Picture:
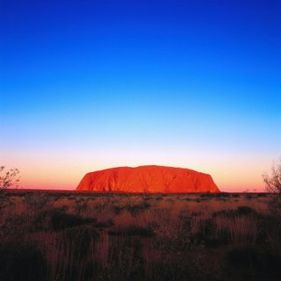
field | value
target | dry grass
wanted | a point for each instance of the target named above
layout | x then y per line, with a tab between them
135	237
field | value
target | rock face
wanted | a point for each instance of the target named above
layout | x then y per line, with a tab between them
151	179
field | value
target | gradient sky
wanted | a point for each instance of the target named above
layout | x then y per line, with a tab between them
93	84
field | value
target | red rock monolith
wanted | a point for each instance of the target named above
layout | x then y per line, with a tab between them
150	179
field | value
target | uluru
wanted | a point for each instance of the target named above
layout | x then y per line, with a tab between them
148	179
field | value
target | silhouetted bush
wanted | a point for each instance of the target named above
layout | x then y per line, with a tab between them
8	178
240	211
135	209
58	219
133	230
273	180
61	220
223	195
104	224
132	209
245	210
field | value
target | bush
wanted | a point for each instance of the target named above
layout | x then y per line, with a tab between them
136	209
8	178
239	211
61	220
133	230
273	180
132	209
273	185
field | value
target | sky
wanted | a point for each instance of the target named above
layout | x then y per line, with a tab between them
93	84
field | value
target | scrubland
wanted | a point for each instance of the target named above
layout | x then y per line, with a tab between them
68	236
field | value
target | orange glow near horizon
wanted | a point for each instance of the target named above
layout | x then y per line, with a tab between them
47	171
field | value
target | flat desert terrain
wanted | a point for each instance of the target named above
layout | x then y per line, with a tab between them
82	236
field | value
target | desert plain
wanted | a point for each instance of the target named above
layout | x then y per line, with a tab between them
83	236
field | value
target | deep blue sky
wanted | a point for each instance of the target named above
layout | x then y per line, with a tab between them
101	83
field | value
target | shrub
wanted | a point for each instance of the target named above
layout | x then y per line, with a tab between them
239	211
8	178
133	230
135	209
63	220
273	180
132	209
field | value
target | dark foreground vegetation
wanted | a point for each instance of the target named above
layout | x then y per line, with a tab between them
66	236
